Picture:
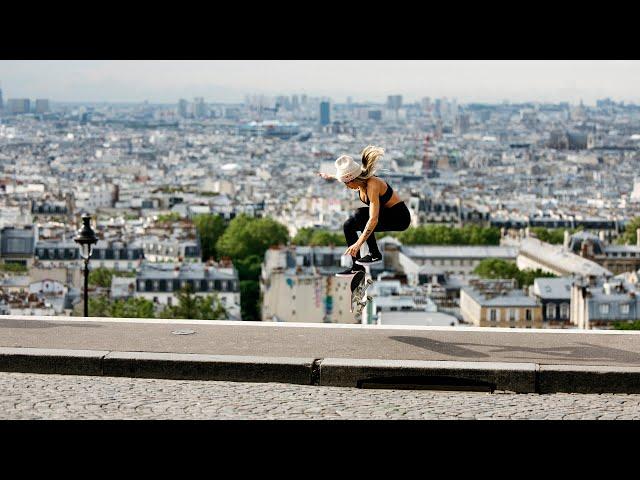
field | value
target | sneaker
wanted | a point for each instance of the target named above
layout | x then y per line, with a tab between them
349	272
369	260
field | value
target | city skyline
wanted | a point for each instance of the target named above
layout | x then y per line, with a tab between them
229	81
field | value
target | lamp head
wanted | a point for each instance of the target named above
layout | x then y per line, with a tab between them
85	236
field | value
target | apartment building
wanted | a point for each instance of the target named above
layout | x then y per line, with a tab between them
498	303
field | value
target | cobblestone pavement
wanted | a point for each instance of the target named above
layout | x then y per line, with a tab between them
34	396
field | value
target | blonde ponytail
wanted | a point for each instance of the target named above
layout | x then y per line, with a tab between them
370	156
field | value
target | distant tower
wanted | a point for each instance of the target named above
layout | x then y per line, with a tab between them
199	108
182	108
42	105
426	161
325	118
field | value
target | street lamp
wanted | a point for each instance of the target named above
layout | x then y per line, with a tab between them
86	237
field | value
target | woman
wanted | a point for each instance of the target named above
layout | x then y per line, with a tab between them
386	212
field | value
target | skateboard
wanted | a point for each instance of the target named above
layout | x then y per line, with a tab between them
359	298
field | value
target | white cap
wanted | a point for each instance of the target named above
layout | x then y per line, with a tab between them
347	168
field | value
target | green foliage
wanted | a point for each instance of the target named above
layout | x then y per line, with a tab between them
445	235
553	235
629	235
250	300
498	268
103	306
549	235
169	217
13	267
247	236
245	241
318	237
195	307
249	268
303	236
100	277
210	228
635	325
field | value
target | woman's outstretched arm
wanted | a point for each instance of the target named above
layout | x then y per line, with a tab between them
326	176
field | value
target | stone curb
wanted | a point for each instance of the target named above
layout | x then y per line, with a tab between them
482	376
337	372
180	366
588	379
51	361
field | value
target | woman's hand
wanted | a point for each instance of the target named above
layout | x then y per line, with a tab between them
353	249
325	176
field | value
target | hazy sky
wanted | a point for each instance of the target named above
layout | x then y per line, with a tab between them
229	80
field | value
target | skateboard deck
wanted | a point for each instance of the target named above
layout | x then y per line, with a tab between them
359	297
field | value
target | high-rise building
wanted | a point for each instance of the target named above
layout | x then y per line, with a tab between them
1	101
394	102
182	108
18	105
294	102
462	124
199	108
325	117
42	105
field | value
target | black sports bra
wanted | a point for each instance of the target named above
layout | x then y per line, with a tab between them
383	198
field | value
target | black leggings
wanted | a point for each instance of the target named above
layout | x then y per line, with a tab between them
394	219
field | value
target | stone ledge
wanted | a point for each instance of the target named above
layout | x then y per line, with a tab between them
51	361
588	379
516	377
180	366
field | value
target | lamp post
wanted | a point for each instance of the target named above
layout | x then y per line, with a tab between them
86	237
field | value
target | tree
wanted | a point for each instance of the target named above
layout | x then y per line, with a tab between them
629	235
245	241
445	235
251	236
210	228
318	237
250	300
249	268
635	325
195	307
498	268
101	277
169	217
103	306
303	236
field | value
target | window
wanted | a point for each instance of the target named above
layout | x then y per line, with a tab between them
624	309
604	308
564	311
527	314
512	315
492	315
155	285
551	310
